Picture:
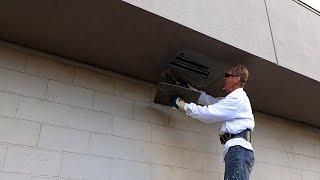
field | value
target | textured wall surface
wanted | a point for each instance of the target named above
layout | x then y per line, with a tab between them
280	31
61	121
243	24
296	36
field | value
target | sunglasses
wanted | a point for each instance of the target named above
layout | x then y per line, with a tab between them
226	75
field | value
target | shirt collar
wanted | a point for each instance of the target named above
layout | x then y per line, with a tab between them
236	91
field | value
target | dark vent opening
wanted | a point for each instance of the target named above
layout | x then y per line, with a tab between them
183	63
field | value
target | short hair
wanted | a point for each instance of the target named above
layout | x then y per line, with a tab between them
240	71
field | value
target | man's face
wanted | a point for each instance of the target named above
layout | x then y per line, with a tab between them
230	81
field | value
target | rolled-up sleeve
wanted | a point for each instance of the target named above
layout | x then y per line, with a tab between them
223	110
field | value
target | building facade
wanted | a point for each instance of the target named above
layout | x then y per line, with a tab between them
62	119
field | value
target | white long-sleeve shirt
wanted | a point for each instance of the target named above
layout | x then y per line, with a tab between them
234	110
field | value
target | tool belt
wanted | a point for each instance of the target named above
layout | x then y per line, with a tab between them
246	134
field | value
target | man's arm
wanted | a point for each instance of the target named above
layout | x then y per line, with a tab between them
206	99
222	110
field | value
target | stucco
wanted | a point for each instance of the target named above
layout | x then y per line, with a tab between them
296	36
243	24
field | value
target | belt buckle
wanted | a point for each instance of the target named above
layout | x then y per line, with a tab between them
248	136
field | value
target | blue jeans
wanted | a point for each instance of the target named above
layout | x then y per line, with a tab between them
238	163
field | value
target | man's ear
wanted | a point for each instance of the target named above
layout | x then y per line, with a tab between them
237	80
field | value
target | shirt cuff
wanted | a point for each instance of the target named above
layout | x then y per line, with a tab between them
185	106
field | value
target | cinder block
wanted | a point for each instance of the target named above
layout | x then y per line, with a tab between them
255	170
14	176
22	83
68	94
134	90
179	120
212	163
46	178
43	111
314	164
202	143
94	80
11	58
298	161
177	157
103	145
131	129
180	173
113	104
3	151
35	177
266	139
17	176
8	104
124	170
291	140
159	172
185	158
317	151
169	136
151	113
159	154
32	161
272	156
50	68
59	114
296	146
196	175
91	121
19	131
274	172
263	122
210	129
193	160
117	147
85	167
309	135
309	175
210	176
64	139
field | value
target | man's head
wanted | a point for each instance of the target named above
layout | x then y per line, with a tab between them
236	77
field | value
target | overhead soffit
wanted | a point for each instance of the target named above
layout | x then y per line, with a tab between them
122	38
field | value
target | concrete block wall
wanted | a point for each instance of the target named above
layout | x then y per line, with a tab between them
67	121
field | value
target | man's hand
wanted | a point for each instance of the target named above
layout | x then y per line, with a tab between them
180	103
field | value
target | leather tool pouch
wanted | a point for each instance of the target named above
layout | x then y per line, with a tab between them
246	134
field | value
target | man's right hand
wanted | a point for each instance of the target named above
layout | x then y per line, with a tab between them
180	103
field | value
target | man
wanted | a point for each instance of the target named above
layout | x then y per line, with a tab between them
238	122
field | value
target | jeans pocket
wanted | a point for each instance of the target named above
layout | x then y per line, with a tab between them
233	154
238	164
250	162
233	171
